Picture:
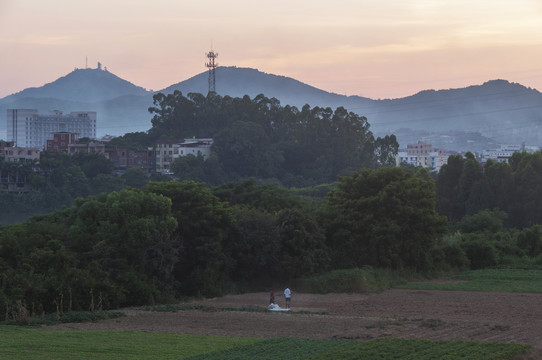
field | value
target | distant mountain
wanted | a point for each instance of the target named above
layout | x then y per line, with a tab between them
474	118
237	82
121	106
83	85
503	111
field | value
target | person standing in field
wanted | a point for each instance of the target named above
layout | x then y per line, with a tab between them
287	297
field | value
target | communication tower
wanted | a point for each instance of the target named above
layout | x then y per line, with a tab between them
211	65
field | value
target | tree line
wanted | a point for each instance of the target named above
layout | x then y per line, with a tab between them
172	239
260	138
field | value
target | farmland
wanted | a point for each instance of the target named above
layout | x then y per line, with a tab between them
20	343
418	322
396	313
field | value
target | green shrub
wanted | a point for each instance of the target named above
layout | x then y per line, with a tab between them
480	251
530	240
455	256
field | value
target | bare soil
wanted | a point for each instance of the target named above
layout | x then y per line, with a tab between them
460	315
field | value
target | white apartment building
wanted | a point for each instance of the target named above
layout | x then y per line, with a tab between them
167	151
424	155
505	152
27	128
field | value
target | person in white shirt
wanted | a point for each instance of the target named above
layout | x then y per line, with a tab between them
287	297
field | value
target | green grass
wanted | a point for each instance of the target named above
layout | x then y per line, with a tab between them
500	280
33	343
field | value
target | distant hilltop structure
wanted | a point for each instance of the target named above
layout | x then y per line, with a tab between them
28	129
98	66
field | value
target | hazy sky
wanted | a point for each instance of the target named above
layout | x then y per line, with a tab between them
372	48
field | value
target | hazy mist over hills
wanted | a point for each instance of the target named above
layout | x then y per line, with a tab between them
474	118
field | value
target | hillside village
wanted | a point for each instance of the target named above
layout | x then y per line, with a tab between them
31	133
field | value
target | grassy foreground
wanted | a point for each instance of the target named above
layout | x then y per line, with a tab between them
39	343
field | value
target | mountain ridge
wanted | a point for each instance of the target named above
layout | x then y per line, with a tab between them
495	111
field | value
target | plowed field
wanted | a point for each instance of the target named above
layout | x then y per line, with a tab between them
484	316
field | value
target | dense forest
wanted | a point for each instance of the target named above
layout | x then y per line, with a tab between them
286	194
260	138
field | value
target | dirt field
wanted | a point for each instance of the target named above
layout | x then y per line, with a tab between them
394	313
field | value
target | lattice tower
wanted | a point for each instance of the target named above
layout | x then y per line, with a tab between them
211	65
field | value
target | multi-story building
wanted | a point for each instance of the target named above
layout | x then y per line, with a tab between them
90	147
422	154
27	128
123	159
12	178
169	150
505	152
5	145
61	141
19	154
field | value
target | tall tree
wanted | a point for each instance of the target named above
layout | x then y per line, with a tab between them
384	218
386	149
205	224
448	202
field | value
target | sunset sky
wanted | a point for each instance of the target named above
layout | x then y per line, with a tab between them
372	48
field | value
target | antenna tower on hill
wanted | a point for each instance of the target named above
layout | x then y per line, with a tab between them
211	65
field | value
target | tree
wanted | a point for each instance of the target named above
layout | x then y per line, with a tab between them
473	192
119	245
268	197
205	224
500	182
93	164
259	138
126	240
103	183
485	221
530	240
384	218
255	245
527	169
448	202
303	248
135	177
173	117
386	149
242	150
